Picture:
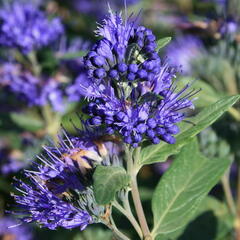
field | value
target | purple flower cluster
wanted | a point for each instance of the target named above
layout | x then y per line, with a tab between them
36	91
132	92
9	229
184	51
60	193
47	209
25	27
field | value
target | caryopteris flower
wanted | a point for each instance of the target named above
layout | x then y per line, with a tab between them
183	51
133	93
35	91
60	192
24	26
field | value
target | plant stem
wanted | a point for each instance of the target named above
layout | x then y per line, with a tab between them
228	193
35	65
116	231
237	222
133	168
235	113
139	208
130	217
52	122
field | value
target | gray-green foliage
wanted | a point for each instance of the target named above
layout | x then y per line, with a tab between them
107	180
212	218
182	189
27	120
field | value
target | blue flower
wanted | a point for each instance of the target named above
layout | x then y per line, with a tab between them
35	91
132	93
184	51
60	192
24	26
39	204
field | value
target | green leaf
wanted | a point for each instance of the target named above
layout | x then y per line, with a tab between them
107	180
27	120
160	152
163	42
213	221
182	189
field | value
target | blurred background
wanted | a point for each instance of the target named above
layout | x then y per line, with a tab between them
41	47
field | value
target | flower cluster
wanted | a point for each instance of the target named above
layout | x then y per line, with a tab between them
60	191
41	89
36	91
184	51
25	27
131	91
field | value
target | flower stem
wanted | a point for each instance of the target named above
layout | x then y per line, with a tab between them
139	208
228	193
35	65
119	234
237	221
52	121
133	169
130	217
235	113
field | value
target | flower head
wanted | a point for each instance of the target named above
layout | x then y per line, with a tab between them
40	205
24	26
36	91
60	192
184	51
131	91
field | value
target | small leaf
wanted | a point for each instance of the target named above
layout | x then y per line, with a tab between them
182	189
108	180
27	120
163	42
160	152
